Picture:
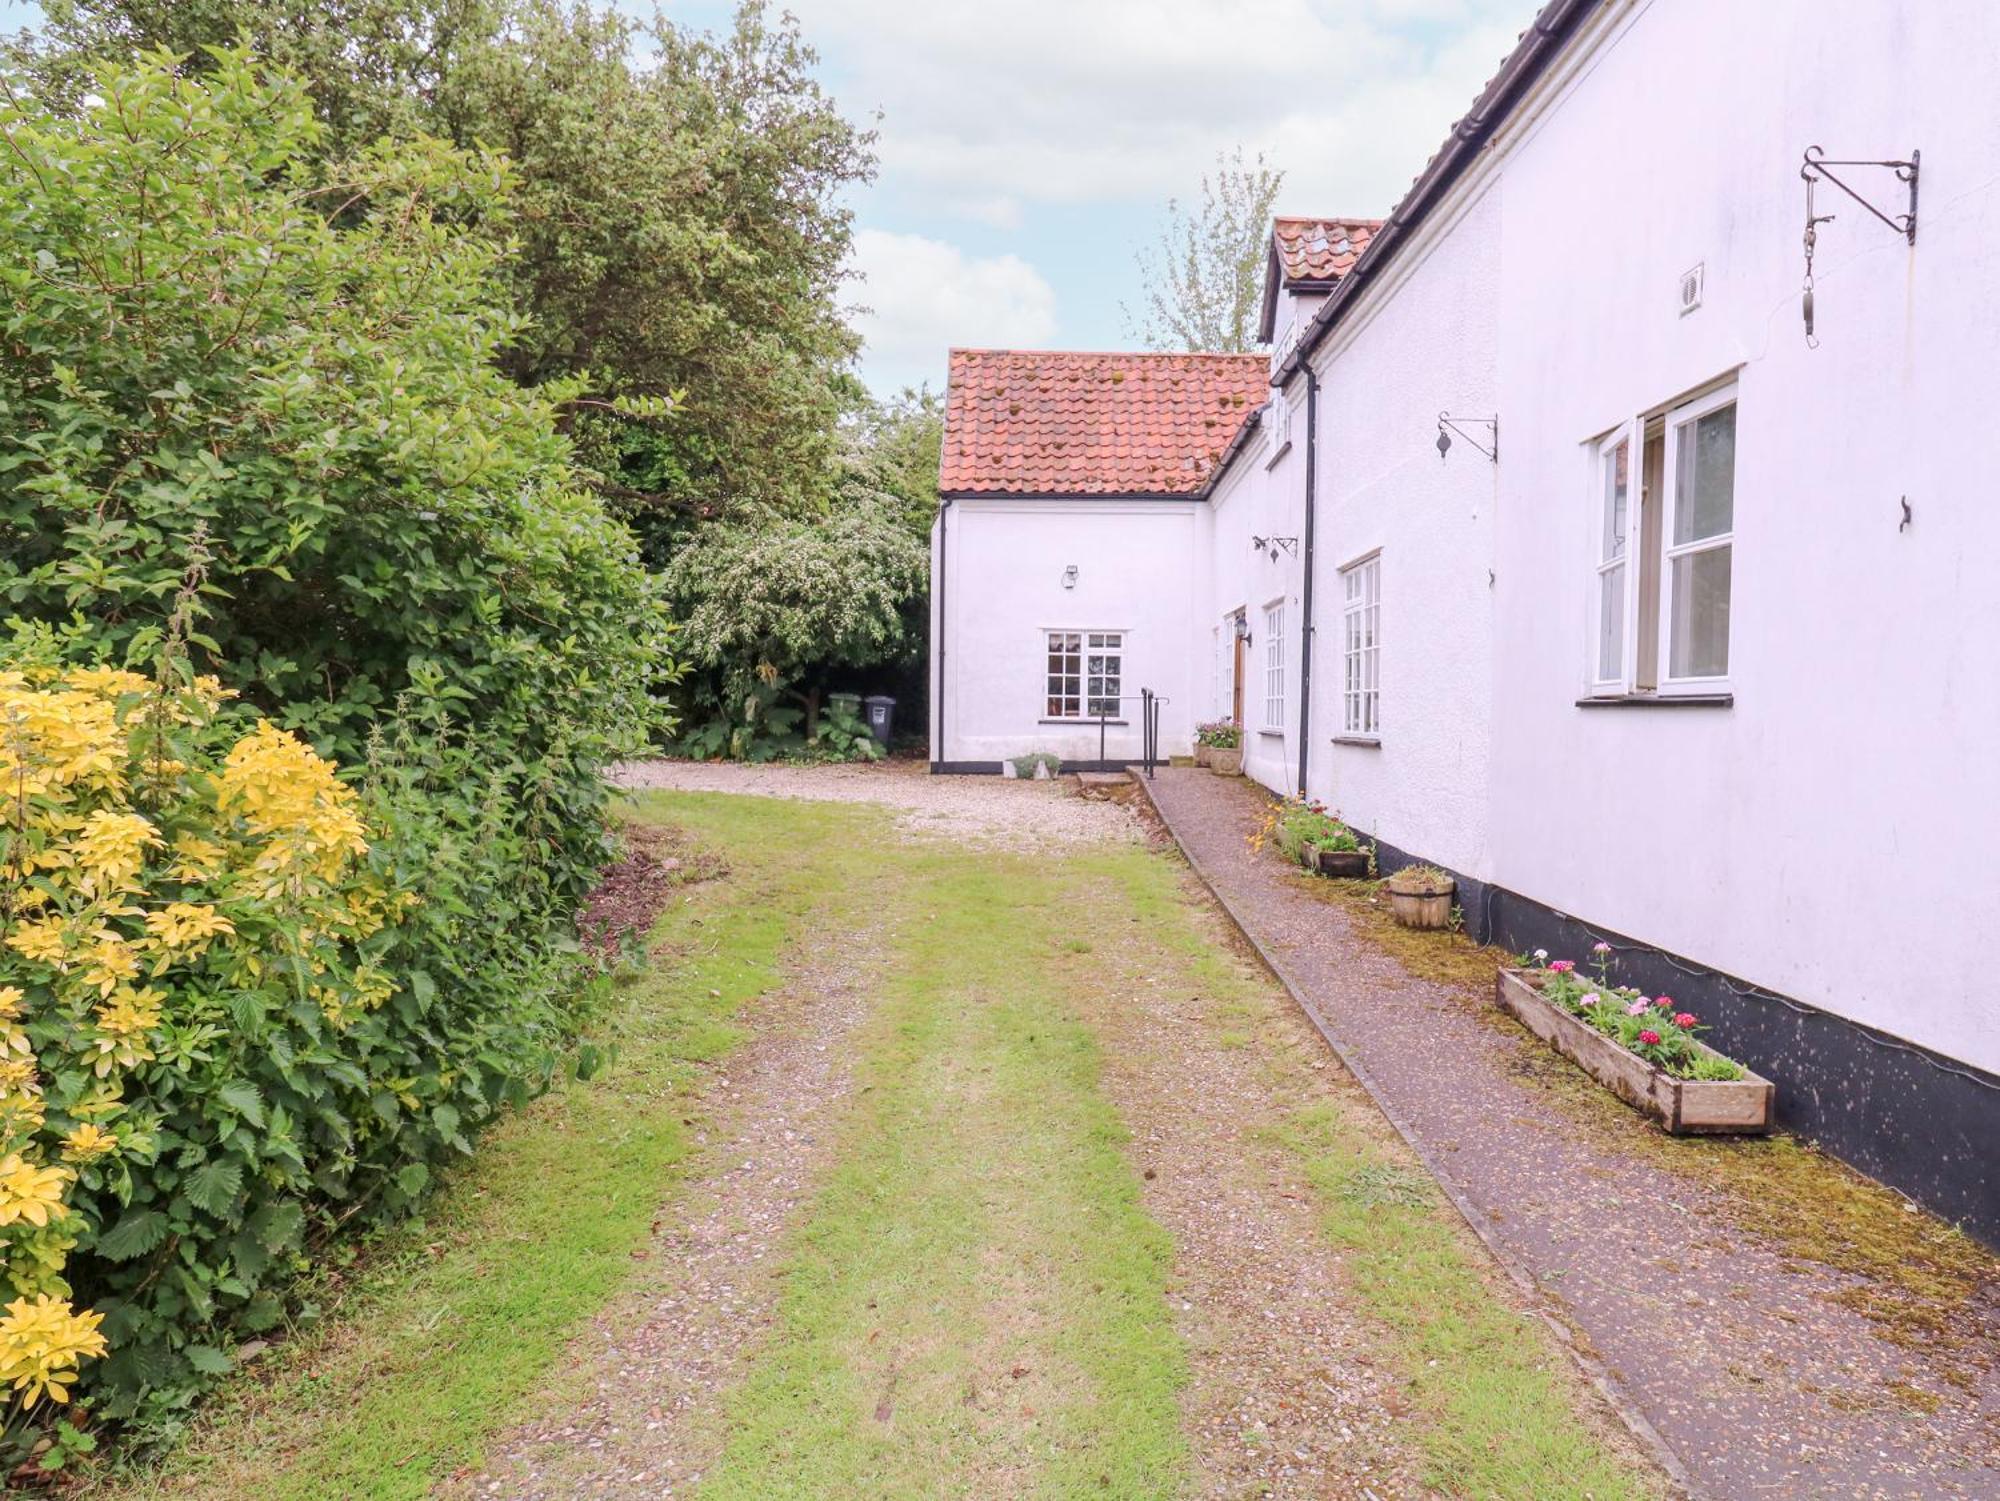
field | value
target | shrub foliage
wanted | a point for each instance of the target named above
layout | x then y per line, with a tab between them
255	431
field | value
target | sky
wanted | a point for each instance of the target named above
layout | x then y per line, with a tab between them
1029	147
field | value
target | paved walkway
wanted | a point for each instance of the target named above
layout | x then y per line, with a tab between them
1752	1366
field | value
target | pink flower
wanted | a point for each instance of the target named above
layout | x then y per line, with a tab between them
1639	1007
1600	948
1587	1000
1664	1002
1561	967
1684	1018
1650	1038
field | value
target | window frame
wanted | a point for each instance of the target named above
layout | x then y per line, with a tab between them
1631	437
1082	677
1361	652
1685	415
1672	417
1277	423
1274	667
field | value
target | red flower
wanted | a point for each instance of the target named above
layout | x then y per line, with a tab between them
1650	1038
1562	967
1684	1018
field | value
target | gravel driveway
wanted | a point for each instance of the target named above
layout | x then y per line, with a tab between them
991	810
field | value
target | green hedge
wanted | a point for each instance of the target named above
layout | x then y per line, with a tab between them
267	389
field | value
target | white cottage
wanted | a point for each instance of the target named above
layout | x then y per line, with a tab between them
1684	638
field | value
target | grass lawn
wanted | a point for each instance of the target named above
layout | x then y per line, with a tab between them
976	1302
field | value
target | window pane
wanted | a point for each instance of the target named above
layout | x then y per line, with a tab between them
1701	614
1705	476
1617	490
1611	624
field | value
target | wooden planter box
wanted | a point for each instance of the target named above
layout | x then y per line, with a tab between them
1686	1107
1344	863
1421	909
1228	762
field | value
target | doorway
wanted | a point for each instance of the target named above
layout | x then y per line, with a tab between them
1239	639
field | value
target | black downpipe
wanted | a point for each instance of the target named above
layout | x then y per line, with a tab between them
937	647
1306	595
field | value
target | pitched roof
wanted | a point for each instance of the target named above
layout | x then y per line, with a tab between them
1320	249
1036	422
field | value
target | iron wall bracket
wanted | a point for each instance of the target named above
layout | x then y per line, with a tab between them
1814	169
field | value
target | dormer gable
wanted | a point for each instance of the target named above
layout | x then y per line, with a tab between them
1307	259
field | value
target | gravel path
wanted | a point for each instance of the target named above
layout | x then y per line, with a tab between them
1286	1397
637	1409
993	811
1752	1365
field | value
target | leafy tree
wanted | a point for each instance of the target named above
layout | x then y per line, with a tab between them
771	608
371	67
197	347
1204	279
677	209
894	446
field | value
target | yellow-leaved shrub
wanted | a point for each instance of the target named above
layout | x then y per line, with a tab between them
149	880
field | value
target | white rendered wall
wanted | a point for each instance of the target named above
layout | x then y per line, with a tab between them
1257	498
1384	489
1833	835
1005	559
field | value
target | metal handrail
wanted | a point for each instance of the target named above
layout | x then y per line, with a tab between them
1149	723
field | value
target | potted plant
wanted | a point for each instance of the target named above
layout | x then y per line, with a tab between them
1225	747
1318	840
1039	766
1420	896
1344	856
1217	732
1644	1049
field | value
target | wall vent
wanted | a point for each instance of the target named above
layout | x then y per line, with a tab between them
1691	289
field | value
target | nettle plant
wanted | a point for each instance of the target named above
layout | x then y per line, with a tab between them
168	886
1654	1028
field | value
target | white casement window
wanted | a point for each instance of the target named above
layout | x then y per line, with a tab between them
1274	666
1086	671
1361	649
1614	466
1277	423
1663	492
1700	527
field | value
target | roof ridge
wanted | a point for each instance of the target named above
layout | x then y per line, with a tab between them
1117	354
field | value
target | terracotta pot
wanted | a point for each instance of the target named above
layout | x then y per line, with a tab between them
1421	910
1228	762
1346	864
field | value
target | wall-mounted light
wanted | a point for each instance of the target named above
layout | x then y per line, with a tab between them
1272	545
1069	577
1459	424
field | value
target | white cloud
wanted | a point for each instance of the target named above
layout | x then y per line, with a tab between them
924	295
1079	101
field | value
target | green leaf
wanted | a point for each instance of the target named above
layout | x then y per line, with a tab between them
214	1186
208	1360
412	1179
244	1098
133	1236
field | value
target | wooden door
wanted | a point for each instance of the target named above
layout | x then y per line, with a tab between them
1236	682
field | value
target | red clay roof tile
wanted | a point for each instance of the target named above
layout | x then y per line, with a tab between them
1036	422
1320	249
